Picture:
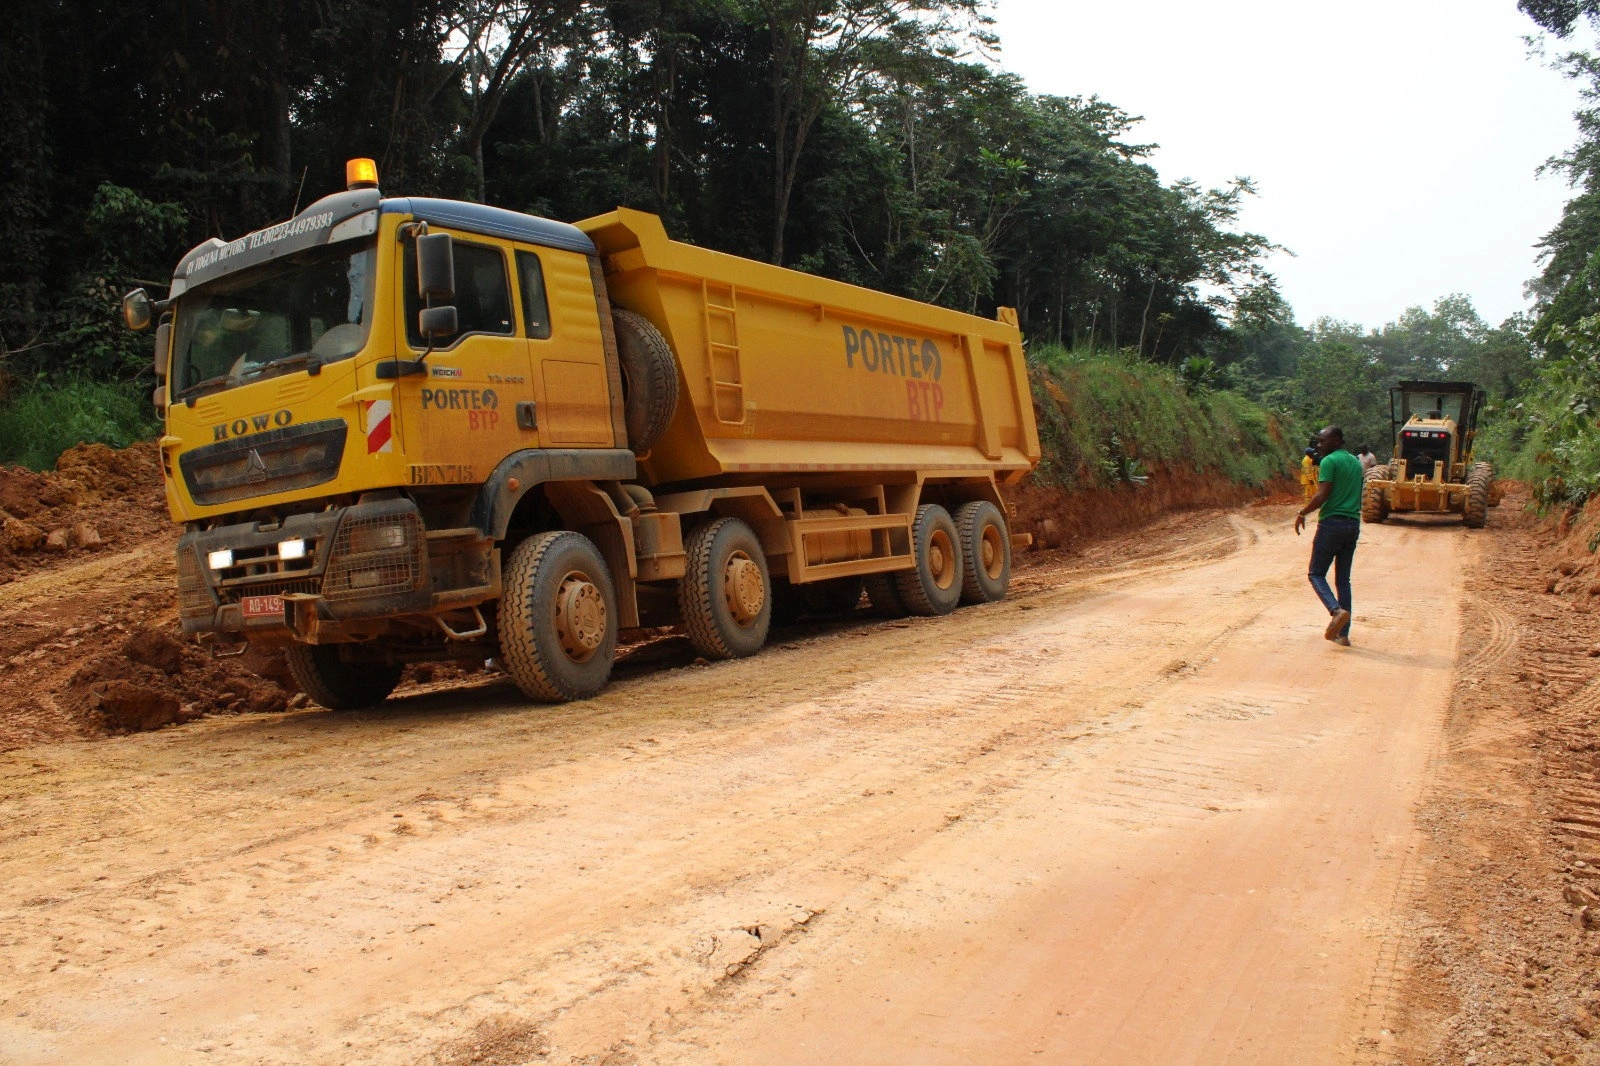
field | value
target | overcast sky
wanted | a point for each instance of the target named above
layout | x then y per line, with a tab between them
1393	142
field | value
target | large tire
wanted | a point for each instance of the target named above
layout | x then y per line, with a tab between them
884	597
933	586
558	618
337	684
649	379
836	595
985	552
1479	480
725	593
1374	503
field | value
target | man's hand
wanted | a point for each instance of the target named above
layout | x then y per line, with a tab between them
1299	523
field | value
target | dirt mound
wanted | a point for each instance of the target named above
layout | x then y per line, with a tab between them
151	679
89	629
97	498
104	473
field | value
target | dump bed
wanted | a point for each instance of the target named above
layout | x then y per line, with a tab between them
787	372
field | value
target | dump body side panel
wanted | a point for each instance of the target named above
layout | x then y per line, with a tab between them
785	372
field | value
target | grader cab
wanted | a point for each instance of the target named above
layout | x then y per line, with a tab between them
1432	471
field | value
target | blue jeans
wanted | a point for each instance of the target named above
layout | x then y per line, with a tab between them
1335	545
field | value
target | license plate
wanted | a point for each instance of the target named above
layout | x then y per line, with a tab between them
261	606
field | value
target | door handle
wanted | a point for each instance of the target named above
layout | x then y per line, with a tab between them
527	415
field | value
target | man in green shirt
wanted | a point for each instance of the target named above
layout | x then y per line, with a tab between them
1338	506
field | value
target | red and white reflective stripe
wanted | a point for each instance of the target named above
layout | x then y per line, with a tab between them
380	426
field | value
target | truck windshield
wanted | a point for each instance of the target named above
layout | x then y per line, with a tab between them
311	308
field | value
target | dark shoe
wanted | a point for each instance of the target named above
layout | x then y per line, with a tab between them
1336	624
1343	642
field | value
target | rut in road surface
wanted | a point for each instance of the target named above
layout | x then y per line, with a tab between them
1139	813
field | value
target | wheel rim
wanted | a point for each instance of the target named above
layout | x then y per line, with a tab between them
743	588
994	552
942	559
580	617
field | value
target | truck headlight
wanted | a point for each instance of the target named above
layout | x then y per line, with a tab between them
378	537
220	559
292	549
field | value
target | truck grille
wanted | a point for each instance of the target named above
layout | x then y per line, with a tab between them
279	460
271	587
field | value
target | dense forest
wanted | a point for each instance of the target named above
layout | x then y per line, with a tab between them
877	141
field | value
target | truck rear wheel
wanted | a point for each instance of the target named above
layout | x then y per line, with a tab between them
933	586
337	684
884	597
558	618
1479	480
985	550
725	593
649	379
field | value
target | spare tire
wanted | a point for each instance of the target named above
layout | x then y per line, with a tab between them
649	379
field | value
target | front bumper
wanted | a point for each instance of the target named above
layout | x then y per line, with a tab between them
362	567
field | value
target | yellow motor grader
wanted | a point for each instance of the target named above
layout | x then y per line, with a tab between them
1432	471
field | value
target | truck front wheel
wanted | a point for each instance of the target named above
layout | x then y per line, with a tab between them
726	593
558	618
337	684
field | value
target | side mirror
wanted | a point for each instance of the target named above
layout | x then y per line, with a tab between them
137	310
437	322
163	347
436	267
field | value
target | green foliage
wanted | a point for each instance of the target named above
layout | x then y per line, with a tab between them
1199	374
46	419
1339	373
1103	419
1550	435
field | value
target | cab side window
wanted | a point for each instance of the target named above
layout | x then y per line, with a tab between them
535	305
483	293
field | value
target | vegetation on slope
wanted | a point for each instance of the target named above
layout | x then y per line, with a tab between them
1104	419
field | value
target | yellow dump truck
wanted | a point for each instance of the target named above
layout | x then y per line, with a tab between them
400	429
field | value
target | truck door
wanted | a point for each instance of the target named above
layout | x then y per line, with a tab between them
460	417
563	325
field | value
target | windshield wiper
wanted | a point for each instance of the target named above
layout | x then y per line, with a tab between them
192	393
313	364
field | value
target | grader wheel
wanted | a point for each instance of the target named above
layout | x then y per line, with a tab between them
1374	503
1479	482
1374	497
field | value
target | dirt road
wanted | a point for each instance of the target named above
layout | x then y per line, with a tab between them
1141	812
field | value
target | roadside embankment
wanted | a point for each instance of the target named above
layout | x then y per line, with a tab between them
1125	440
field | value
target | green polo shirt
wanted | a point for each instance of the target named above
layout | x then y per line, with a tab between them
1344	470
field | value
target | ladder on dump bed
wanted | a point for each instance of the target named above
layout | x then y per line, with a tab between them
718	304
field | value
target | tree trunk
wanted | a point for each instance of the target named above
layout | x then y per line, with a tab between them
1144	319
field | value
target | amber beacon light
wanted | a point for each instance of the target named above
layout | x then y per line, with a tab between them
360	174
